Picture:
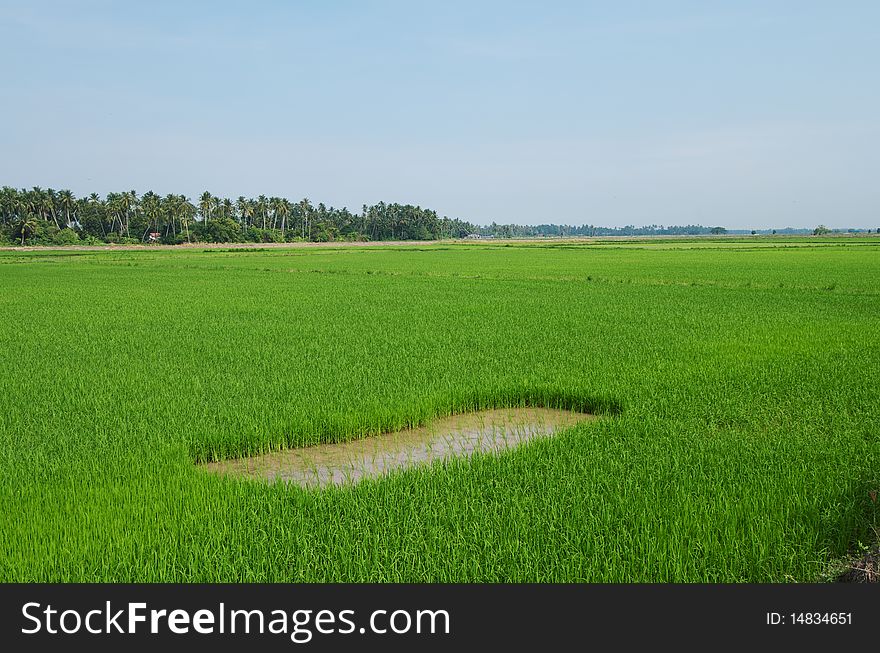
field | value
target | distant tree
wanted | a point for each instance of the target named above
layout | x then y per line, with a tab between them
66	236
219	230
67	203
206	205
227	209
40	215
305	210
187	211
151	205
281	209
245	209
263	208
821	230
26	226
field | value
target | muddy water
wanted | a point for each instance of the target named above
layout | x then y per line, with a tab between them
349	462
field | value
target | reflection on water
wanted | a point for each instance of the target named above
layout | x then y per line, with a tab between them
349	462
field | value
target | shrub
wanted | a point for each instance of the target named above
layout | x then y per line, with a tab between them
66	237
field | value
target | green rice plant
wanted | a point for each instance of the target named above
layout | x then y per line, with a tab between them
738	383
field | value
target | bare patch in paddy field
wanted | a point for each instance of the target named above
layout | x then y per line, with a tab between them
349	462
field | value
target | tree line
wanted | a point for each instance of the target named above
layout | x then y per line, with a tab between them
590	230
39	216
46	216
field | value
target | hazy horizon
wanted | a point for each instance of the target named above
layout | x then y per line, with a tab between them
747	116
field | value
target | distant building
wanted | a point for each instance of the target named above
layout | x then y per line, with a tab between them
154	236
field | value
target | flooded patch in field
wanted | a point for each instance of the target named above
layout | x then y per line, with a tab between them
349	462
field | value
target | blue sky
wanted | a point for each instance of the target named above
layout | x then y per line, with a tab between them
746	114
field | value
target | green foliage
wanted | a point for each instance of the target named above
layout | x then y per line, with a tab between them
740	443
264	219
219	230
173	239
66	237
267	236
126	217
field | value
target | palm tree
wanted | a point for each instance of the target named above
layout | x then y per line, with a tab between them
35	201
50	201
67	203
305	209
114	208
281	208
187	213
132	207
242	208
263	207
122	205
227	208
10	204
99	208
168	206
206	203
150	205
27	225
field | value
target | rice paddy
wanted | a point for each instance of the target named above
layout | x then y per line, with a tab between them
736	384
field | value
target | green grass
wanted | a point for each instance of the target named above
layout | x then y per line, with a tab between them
739	381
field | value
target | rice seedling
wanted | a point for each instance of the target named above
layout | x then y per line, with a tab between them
738	385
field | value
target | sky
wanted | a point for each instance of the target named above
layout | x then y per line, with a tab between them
761	114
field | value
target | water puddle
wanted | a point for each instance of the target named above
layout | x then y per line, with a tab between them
349	462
